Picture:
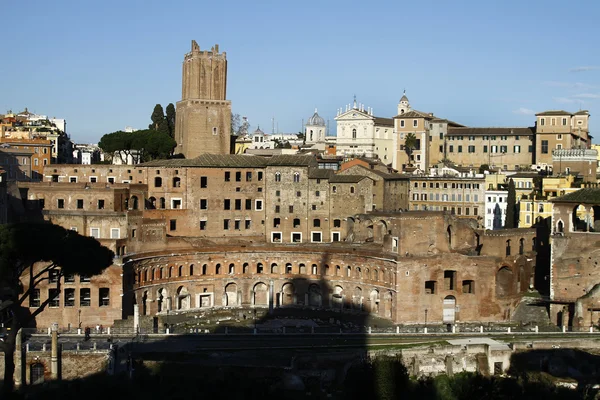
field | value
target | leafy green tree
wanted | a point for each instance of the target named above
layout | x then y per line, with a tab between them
410	143
151	144
511	205
163	127
156	145
171	119
158	115
57	250
121	143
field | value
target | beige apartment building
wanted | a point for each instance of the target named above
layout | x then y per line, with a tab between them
464	197
558	130
499	148
430	132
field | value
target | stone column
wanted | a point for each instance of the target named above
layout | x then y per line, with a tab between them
271	297
54	354
136	317
19	359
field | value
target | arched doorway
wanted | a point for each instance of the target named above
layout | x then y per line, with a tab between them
374	301
36	373
357	299
183	298
161	299
260	294
145	303
449	311
288	295
231	298
338	297
314	295
504	282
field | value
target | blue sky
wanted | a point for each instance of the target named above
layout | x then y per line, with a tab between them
103	65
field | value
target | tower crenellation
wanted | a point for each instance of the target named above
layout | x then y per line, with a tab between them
203	115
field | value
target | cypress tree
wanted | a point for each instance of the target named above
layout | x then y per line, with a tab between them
171	119
157	116
511	205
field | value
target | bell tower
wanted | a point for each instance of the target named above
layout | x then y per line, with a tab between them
203	124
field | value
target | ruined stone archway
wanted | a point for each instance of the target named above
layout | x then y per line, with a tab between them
231	295
183	298
504	282
260	294
314	296
288	294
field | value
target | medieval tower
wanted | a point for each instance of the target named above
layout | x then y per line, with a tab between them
203	115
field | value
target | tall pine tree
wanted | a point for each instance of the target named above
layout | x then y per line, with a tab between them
511	205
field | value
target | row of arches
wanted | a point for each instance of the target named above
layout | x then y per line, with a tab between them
375	274
289	294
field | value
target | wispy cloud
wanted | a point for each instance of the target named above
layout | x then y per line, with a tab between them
584	68
568	85
564	100
587	96
524	111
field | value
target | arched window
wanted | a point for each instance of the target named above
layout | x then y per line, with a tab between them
134	203
508	247
176	182
521	246
354	133
277	176
157	181
37	373
245	268
180	271
218	269
204	269
170	272
191	269
163	203
296	222
231	269
296	177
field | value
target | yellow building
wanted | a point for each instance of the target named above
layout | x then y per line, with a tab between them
559	129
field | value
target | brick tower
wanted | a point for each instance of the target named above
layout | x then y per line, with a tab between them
203	115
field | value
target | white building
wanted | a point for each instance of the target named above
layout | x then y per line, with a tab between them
360	133
86	154
131	157
495	208
261	140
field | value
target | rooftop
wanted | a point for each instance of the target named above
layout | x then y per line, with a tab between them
586	195
490	131
235	161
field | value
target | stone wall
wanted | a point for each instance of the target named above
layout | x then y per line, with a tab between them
73	364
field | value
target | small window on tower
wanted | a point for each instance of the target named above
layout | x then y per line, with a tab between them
215	131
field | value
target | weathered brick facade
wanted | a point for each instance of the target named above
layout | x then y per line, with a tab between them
234	217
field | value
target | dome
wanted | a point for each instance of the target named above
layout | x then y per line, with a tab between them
258	131
404	98
316	120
